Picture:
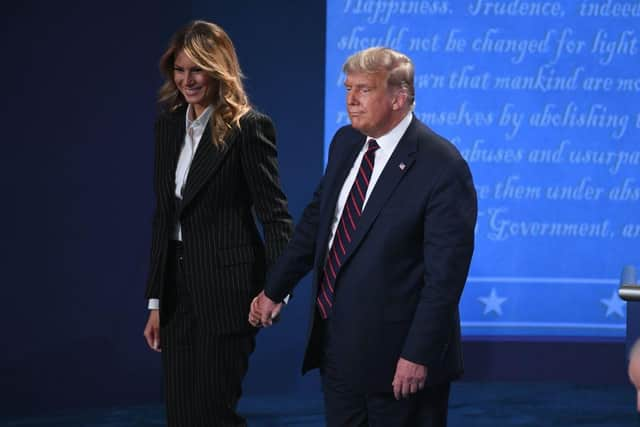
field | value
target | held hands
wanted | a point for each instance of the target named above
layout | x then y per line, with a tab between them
152	330
263	310
408	379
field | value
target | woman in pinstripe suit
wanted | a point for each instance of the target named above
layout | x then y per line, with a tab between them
215	171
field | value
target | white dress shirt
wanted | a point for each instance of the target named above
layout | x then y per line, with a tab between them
387	142
192	136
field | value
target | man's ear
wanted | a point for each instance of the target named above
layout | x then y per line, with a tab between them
400	99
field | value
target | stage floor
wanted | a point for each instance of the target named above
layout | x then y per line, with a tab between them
471	405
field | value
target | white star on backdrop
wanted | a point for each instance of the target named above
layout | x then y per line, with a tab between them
614	304
492	303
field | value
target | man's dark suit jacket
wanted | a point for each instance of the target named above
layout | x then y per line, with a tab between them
398	289
225	257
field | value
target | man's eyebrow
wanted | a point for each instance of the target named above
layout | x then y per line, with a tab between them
359	85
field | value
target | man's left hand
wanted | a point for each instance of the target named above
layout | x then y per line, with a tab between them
408	379
263	310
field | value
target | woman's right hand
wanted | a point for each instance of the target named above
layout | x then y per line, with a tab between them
152	330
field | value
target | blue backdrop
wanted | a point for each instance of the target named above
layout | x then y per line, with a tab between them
80	80
541	99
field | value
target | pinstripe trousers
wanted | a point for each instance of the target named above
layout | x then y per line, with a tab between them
203	372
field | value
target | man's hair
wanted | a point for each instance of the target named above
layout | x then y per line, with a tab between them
398	66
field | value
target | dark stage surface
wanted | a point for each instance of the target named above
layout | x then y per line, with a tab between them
471	405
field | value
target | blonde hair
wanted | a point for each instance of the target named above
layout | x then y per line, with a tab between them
211	49
398	66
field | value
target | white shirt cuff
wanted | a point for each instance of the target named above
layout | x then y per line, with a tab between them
154	303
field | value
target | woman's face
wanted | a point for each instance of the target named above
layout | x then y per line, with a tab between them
194	83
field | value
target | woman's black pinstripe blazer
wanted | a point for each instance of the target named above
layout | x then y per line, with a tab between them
226	258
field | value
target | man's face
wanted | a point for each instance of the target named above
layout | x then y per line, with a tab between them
370	103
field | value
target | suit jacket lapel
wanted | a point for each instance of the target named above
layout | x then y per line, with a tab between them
177	140
331	189
206	162
173	138
398	165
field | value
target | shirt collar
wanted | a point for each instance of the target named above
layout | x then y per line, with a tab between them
391	138
201	121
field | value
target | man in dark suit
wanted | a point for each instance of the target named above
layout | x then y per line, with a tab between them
389	236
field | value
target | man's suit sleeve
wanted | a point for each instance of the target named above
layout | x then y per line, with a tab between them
449	224
298	257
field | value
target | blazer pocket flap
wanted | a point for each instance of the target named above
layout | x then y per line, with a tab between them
236	255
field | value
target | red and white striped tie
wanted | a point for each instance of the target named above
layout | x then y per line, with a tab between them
346	227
